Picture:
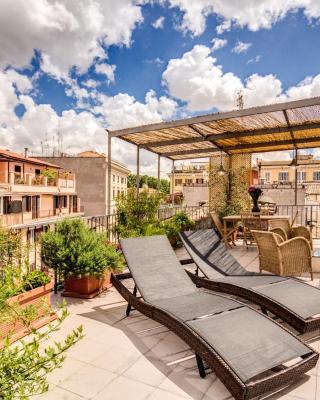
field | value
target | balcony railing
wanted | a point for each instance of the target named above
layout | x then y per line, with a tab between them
63	180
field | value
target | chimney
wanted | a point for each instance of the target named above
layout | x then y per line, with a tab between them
26	152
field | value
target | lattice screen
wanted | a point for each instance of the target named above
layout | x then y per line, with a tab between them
229	193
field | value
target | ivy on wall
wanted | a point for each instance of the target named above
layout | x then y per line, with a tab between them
228	194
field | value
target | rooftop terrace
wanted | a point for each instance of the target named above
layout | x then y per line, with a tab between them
136	358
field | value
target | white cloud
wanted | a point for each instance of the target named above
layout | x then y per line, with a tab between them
252	14
218	43
107	70
123	111
196	79
158	23
241	47
90	83
255	59
67	32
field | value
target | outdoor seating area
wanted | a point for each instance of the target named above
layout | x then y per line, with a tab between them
139	357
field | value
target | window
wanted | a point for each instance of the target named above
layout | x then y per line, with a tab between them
122	180
199	180
113	178
267	176
118	178
316	176
178	182
64	201
37	172
301	176
188	181
17	169
6	204
283	176
113	194
26	204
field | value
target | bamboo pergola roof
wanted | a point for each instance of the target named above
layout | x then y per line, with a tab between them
282	126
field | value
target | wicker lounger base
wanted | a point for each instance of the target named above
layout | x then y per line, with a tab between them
298	323
239	389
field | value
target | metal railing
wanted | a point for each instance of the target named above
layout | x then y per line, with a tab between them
307	215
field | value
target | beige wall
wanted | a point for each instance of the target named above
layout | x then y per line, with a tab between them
275	170
188	175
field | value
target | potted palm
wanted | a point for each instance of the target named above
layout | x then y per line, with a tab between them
84	257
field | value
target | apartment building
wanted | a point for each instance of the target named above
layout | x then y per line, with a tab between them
32	189
91	169
283	172
194	174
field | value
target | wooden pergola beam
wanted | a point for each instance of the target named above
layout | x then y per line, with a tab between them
232	135
219	116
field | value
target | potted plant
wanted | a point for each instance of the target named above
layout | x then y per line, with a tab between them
255	193
30	294
84	257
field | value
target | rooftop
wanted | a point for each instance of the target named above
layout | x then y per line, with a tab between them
11	156
136	358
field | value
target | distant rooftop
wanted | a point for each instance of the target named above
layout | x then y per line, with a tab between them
11	156
302	159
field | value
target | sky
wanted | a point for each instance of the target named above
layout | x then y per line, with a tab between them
72	68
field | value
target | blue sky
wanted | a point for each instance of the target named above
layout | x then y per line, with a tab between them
79	66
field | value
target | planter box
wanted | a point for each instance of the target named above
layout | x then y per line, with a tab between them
86	287
39	297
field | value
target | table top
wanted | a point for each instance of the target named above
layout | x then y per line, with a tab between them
263	217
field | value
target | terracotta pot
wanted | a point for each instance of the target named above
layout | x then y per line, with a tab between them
39	297
87	286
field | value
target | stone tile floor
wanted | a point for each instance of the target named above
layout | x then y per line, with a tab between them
136	358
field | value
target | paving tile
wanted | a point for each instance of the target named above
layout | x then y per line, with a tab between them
159	394
217	390
87	350
116	359
125	388
169	386
69	367
150	371
58	394
88	381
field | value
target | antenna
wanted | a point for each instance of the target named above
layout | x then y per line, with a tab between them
240	99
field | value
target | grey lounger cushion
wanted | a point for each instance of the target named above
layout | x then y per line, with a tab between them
249	342
216	262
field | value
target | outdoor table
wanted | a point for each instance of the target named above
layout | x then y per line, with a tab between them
237	218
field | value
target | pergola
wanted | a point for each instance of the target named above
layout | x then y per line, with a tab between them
282	126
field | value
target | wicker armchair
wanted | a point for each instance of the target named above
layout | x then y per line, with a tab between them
283	228
291	257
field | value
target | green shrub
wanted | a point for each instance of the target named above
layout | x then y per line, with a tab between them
178	223
35	279
77	250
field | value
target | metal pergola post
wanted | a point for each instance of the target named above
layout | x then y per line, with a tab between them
159	173
172	189
138	170
296	178
109	173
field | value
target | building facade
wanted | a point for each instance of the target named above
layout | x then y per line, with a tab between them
194	174
91	169
32	189
281	172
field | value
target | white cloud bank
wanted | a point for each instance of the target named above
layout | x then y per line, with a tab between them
198	80
68	33
253	14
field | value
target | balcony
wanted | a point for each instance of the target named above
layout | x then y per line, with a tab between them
30	183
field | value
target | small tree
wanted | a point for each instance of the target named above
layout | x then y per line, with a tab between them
78	251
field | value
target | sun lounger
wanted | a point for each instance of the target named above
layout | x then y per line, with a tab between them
290	299
250	353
